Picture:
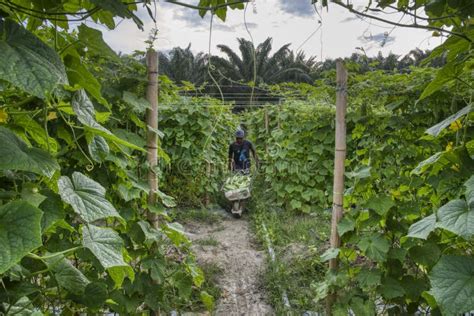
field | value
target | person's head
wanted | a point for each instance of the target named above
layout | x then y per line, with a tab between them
239	136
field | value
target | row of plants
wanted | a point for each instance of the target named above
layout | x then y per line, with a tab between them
75	235
408	187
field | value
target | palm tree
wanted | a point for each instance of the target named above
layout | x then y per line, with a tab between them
182	65
279	67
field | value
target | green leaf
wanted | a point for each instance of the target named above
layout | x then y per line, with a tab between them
20	232
16	155
423	227
167	200
86	197
119	273
27	62
427	254
95	294
183	283
36	132
345	225
67	276
175	232
139	105
380	204
438	128
84	109
23	307
361	307
369	278
329	254
445	75
452	284
106	245
30	194
159	133
92	38
78	74
391	288
98	148
151	234
360	173
375	247
116	7
438	162
207	300
85	112
470	148
53	210
470	192
457	217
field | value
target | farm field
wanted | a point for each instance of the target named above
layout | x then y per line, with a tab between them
121	191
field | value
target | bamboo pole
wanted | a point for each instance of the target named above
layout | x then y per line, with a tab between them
339	158
152	121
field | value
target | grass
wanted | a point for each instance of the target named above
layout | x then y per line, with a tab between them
197	215
212	273
209	241
298	241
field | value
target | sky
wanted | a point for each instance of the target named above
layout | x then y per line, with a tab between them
333	33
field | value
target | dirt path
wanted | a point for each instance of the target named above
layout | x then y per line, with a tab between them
229	244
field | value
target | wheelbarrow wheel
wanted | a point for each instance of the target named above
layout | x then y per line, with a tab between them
236	211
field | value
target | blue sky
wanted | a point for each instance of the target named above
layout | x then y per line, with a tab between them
333	33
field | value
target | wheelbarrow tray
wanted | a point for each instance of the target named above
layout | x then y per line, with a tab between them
237	194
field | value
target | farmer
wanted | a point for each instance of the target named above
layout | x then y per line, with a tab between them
239	153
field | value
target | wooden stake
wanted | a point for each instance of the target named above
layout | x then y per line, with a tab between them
152	121
339	158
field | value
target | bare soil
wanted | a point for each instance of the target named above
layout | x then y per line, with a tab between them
241	262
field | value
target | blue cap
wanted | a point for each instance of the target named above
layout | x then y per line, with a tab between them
239	133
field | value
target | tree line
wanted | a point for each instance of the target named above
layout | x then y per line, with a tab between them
274	66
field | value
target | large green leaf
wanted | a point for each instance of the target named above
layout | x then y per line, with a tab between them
470	192
53	210
106	245
84	109
16	155
437	162
423	227
139	105
391	288
92	38
375	247
27	62
452	284
23	307
20	232
95	294
445	75
457	217
85	112
98	148
78	74
436	129
380	204
86	197
67	276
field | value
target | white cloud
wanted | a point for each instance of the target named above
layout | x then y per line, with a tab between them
284	20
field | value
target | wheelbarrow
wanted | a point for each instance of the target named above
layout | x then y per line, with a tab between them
238	198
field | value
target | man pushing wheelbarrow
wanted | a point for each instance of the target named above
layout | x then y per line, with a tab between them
237	187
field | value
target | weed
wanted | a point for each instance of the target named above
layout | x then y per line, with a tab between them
209	241
197	215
